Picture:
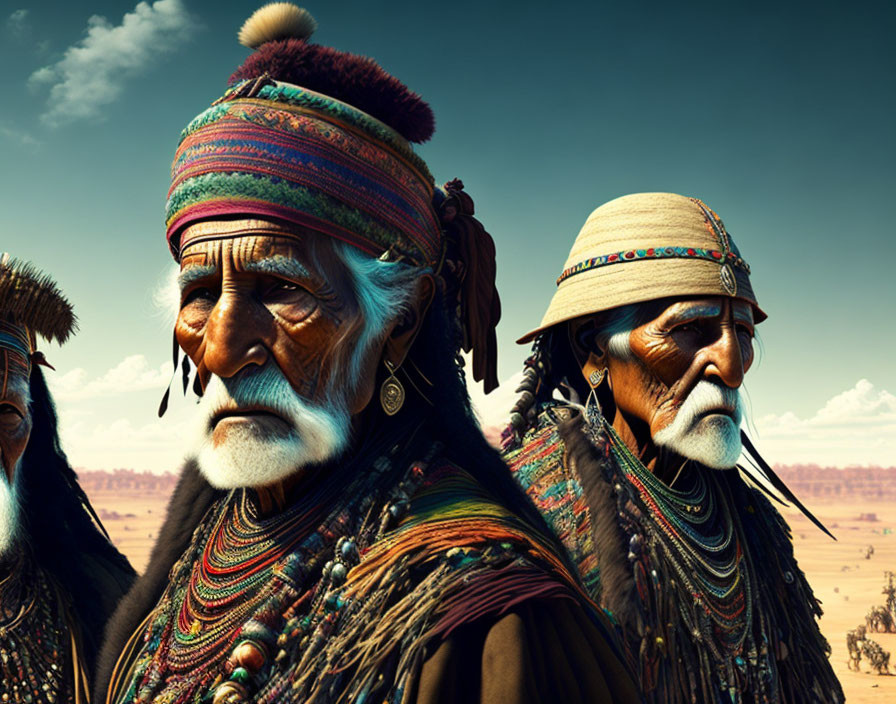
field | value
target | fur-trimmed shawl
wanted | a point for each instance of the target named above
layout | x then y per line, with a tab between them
574	481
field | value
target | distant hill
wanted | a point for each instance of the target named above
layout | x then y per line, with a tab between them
806	480
126	481
810	480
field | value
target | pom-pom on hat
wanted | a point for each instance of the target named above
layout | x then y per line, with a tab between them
313	136
643	247
320	139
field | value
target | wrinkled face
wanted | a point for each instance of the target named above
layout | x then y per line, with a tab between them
682	378
15	430
272	325
15	422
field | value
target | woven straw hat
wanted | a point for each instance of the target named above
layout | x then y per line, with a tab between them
646	246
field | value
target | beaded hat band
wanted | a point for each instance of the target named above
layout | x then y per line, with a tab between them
643	247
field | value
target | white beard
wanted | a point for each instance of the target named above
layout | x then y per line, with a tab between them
9	511
701	432
248	457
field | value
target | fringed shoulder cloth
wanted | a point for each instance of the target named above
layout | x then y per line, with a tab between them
268	610
701	579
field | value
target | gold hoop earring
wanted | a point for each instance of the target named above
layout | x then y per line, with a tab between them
391	392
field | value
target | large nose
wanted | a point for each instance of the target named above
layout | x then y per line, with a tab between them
724	358
235	335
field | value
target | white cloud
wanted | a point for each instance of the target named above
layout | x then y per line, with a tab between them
157	446
17	24
493	410
856	427
133	373
93	72
20	136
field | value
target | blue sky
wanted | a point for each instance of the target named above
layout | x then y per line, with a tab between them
779	115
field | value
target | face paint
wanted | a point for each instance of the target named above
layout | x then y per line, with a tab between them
679	388
15	422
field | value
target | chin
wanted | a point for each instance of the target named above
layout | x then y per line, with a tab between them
713	441
243	455
9	512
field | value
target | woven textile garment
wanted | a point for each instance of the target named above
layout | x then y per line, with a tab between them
347	612
754	640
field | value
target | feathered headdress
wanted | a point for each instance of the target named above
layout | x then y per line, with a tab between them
31	299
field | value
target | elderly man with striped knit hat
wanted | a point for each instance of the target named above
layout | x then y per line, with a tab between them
627	437
343	533
60	577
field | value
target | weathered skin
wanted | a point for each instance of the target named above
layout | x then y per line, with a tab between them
15	422
284	298
707	338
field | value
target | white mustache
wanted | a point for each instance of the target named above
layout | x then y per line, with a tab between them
706	398
266	390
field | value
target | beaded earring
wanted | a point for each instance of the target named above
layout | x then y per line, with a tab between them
595	376
391	392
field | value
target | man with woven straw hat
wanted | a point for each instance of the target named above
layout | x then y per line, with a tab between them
627	437
60	577
344	533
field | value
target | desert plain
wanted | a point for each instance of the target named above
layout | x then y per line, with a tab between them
846	582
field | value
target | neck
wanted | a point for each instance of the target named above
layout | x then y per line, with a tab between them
273	498
663	465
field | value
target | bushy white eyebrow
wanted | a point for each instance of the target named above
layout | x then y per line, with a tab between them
194	273
279	265
697	311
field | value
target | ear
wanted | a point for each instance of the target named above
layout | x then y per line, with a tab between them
405	329
590	358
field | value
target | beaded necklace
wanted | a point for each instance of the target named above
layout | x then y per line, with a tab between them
35	641
248	583
687	557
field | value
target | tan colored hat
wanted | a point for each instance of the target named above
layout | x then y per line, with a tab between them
646	246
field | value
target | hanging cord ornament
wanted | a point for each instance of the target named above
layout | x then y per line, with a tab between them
469	271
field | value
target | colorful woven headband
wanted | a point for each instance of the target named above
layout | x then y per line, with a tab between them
297	156
16	348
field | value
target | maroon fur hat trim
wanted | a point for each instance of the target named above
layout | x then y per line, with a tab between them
356	80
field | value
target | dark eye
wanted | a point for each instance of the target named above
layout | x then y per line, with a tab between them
283	290
690	327
201	293
10	412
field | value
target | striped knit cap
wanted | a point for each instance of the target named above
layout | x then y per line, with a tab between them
313	137
316	138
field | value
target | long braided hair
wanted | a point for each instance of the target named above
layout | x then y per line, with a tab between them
62	529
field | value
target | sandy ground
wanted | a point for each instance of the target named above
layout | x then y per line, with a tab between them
847	584
133	522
